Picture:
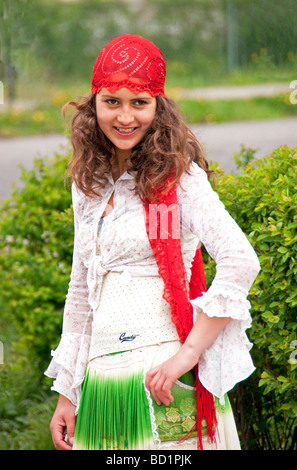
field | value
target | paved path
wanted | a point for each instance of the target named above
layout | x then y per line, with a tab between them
23	151
220	142
237	92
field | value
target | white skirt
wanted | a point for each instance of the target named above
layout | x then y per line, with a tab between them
118	412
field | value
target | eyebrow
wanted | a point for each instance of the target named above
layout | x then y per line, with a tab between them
133	99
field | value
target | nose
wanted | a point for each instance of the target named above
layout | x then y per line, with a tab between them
125	116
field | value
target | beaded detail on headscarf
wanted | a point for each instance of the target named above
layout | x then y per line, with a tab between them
130	61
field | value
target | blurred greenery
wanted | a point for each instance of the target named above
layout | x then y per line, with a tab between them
47	45
236	109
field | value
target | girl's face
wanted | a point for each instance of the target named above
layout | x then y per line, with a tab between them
125	117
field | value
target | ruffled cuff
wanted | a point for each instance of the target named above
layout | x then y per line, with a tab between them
68	366
227	361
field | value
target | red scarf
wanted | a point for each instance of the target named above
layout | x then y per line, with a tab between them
165	243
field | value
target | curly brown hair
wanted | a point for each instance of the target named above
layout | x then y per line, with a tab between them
168	148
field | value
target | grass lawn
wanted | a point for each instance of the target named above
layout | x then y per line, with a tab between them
237	110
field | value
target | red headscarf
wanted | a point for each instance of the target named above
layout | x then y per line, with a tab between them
132	62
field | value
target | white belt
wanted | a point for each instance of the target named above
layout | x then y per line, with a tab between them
97	270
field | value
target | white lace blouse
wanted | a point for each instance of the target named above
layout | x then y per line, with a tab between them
127	249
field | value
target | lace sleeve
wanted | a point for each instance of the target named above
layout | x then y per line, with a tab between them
228	360
70	358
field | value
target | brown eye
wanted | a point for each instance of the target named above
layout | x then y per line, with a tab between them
111	102
140	102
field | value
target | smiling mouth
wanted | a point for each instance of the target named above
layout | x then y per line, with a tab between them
125	130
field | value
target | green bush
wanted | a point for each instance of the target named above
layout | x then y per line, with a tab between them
26	408
263	200
36	242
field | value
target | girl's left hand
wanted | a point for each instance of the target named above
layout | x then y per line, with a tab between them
160	379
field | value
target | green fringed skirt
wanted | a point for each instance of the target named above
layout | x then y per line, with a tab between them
117	412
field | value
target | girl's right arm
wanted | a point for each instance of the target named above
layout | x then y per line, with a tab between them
71	356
